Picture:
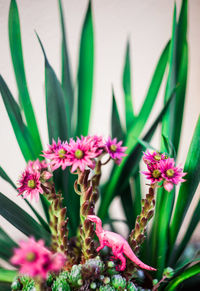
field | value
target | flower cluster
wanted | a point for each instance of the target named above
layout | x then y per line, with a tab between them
81	154
35	174
161	168
35	259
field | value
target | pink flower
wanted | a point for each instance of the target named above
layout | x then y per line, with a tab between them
115	150
170	173
32	178
58	155
155	157
154	173
97	143
35	259
36	165
30	184
81	154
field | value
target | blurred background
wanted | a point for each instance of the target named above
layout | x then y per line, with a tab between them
147	25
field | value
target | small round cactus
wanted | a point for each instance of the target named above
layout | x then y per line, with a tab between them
106	288
131	287
75	275
118	282
60	285
16	285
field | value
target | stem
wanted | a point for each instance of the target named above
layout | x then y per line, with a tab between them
137	236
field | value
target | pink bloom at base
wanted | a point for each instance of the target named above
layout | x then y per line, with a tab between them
34	259
81	154
58	155
115	150
171	174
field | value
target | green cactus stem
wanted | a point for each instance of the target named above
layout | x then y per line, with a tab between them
58	221
137	236
87	189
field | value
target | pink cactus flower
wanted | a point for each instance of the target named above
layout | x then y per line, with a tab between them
155	157
115	150
49	153
171	174
30	184
58	155
36	165
97	143
35	259
154	173
81	154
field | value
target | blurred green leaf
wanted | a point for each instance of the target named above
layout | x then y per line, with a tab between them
21	132
4	286
6	245
59	127
165	200
188	234
22	220
190	272
18	65
66	72
4	176
152	93
146	145
135	131
127	89
188	188
7	275
57	116
181	72
131	199
170	150
85	74
116	126
128	166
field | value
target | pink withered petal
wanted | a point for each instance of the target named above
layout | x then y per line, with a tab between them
170	172
81	154
115	150
168	186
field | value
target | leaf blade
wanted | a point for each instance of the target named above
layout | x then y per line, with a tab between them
66	72
18	65
21	132
85	74
129	113
21	220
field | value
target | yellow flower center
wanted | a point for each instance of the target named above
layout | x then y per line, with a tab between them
170	173
79	154
30	257
31	184
61	153
157	157
156	173
113	148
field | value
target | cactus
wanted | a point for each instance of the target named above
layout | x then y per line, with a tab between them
118	282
